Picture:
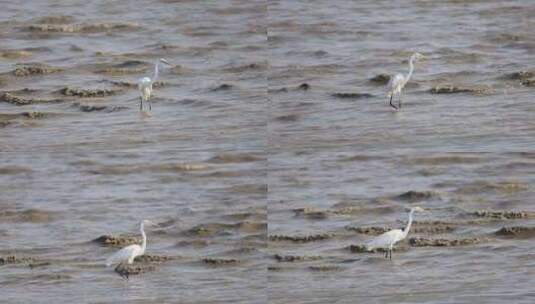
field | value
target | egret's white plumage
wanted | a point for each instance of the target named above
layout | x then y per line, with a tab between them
390	238
129	253
398	81
145	84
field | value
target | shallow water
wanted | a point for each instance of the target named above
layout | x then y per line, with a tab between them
239	114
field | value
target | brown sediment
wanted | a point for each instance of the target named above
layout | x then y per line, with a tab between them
15	54
117	241
528	82
220	261
380	79
352	95
222	87
300	238
252	66
424	242
27	216
325	268
506	187
516	232
363	248
21	101
452	89
15	260
34	69
234	158
82	27
521	75
68	91
56	19
148	258
504	214
416	196
288	118
211	229
311	213
295	258
94	108
368	230
126	270
13	169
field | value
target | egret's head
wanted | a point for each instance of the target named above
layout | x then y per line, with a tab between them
417	56
162	60
147	222
419	209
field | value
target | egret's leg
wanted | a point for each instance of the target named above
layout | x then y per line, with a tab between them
150	107
393	106
141	104
399	105
386	254
390	254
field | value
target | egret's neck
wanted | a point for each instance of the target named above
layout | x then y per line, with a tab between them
144	236
406	231
411	69
156	71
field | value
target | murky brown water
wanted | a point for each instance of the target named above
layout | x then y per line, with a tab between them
270	156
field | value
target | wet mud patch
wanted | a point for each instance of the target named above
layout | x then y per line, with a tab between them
149	258
295	258
304	87
117	241
69	91
215	229
288	118
55	19
28	216
454	89
23	101
126	270
503	214
528	83
94	27
300	238
134	85
220	261
425	242
359	248
14	169
15	54
417	196
521	75
380	79
98	108
352	95
368	230
226	158
12	259
32	69
311	213
325	268
255	66
505	187
522	232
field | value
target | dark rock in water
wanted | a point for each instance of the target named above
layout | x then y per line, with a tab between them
300	239
452	89
68	91
423	242
504	214
280	90
15	260
325	268
311	213
220	261
381	79
352	95
517	232
116	241
416	196
223	87
304	86
528	82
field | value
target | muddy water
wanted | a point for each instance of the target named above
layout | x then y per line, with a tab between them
301	112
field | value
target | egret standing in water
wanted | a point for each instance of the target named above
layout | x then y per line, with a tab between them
129	253
398	81
389	238
145	83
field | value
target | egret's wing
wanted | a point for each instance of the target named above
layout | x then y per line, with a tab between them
394	82
384	240
121	255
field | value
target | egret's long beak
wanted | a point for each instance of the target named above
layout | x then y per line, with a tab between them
165	61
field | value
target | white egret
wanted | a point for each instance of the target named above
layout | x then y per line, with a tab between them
398	81
145	83
389	238
129	253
